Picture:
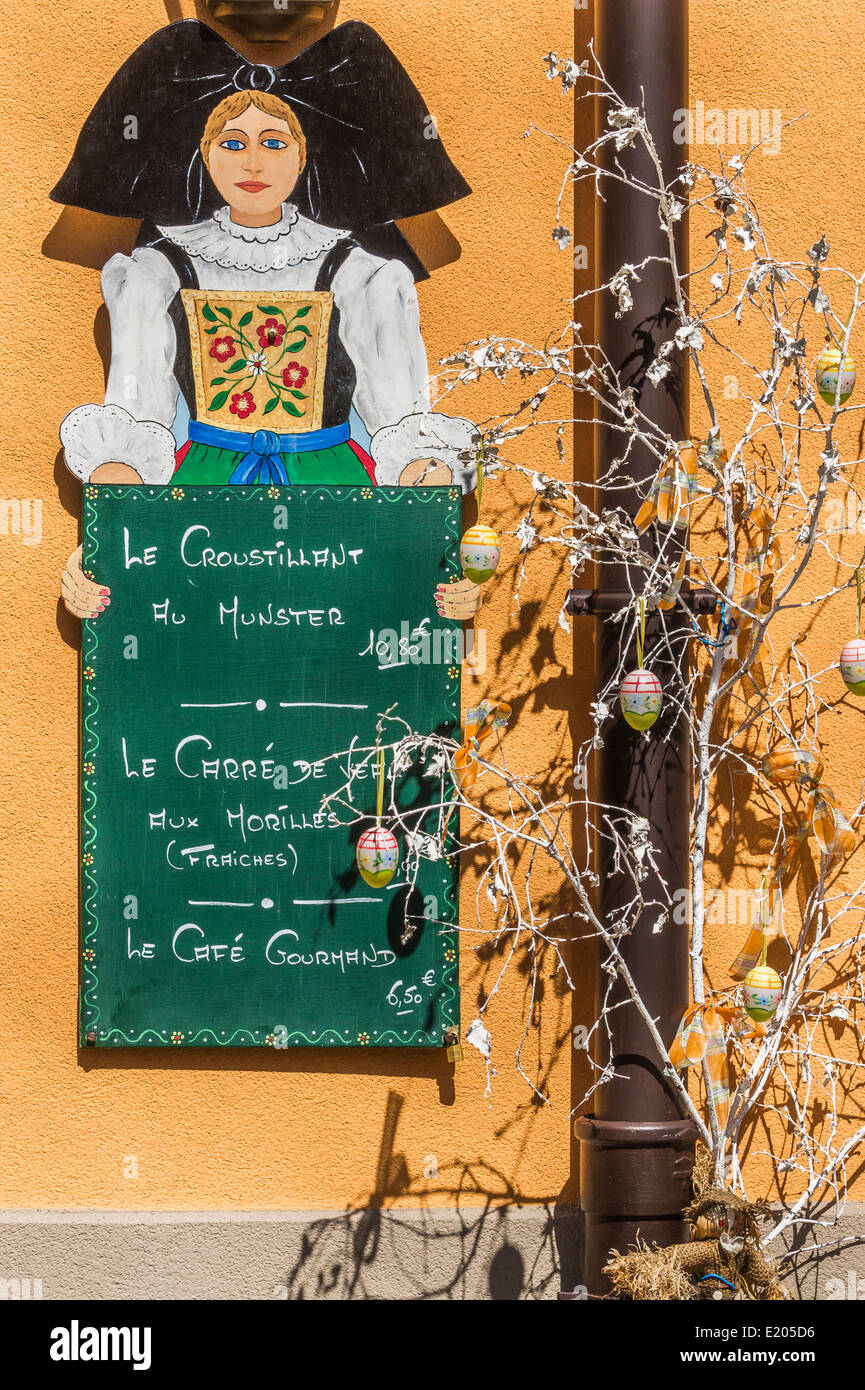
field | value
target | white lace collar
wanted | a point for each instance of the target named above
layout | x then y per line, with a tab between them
294	238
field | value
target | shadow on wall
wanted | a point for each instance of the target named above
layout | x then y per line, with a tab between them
500	1253
491	1242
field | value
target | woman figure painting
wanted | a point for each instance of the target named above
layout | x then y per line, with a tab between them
272	326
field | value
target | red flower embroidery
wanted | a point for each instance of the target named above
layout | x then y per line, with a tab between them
295	374
270	333
242	404
222	348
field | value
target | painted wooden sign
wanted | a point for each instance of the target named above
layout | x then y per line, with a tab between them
263	631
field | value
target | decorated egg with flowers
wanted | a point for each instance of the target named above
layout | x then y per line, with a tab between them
761	990
480	552
641	698
830	365
852	665
377	856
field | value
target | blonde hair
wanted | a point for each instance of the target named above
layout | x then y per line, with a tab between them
239	102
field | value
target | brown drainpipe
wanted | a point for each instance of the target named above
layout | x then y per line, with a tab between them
636	1151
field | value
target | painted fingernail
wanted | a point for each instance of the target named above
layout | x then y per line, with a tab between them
103	592
100	610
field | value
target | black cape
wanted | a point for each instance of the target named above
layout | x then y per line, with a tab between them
370	155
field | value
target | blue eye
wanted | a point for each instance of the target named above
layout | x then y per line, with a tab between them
232	144
272	144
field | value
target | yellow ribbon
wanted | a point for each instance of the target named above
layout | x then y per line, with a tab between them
822	817
757	941
832	830
379	791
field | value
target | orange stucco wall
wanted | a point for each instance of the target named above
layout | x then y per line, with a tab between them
244	1130
305	1130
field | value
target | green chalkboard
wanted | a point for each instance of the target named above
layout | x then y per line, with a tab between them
253	634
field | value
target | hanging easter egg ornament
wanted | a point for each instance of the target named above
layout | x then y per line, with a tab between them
852	658
480	552
641	698
378	847
762	989
641	695
377	856
831	366
852	664
480	548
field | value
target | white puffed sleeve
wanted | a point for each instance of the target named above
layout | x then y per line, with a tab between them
380	329
134	424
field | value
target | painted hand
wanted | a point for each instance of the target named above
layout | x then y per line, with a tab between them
114	473
460	601
426	473
82	596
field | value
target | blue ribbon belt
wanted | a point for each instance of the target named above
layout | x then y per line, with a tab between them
262	462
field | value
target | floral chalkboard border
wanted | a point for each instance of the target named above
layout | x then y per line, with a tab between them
89	1013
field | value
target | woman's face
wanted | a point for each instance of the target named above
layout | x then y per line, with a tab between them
255	162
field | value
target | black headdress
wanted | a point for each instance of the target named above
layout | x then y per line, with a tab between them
372	151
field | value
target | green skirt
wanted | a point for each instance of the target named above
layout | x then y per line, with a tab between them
204	463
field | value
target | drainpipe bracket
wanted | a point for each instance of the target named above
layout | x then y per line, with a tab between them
585	603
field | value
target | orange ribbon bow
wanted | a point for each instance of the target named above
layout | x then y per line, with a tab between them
481	723
762	563
701	1035
822	817
673	490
